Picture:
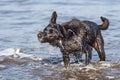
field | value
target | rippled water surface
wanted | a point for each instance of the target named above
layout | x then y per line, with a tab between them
20	21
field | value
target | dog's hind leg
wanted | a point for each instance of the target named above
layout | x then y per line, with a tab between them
88	53
99	46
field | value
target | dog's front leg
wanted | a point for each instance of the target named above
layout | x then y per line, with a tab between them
66	59
78	56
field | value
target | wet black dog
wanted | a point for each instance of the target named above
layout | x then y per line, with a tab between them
75	37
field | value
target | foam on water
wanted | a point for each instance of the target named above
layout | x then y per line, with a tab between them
92	66
16	53
50	66
93	71
2	67
7	52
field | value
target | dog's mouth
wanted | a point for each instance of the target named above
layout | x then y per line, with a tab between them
51	37
42	40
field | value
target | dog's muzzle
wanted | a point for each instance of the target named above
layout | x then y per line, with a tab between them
41	37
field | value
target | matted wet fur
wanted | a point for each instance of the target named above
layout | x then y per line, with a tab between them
74	37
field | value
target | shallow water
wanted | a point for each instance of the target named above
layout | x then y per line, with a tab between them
20	21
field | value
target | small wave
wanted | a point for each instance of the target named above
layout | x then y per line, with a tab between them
2	67
94	71
16	53
13	61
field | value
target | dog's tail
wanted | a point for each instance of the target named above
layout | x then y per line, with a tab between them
105	24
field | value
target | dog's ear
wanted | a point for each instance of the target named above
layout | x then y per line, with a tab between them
53	18
62	31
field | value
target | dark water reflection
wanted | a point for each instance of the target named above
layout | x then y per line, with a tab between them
20	21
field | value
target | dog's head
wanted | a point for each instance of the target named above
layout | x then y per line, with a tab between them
52	31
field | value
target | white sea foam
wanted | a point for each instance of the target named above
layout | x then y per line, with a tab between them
93	66
104	64
7	52
16	53
110	77
2	66
90	67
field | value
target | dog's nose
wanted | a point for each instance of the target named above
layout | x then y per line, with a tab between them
39	35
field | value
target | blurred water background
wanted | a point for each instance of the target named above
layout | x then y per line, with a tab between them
20	21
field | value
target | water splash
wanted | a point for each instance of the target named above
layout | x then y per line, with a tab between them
16	53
